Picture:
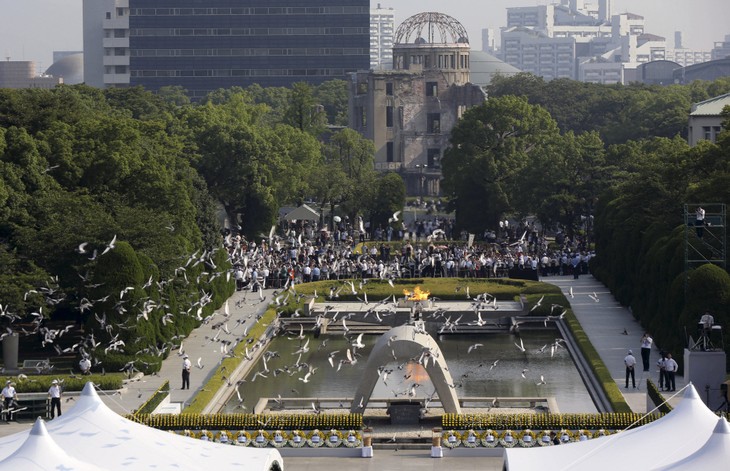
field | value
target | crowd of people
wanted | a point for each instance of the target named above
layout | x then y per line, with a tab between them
302	252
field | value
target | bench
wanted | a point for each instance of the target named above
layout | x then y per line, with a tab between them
37	366
30	406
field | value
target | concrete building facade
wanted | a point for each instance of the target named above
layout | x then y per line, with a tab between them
409	111
382	28
204	46
705	119
22	74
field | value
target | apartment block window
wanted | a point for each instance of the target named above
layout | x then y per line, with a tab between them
432	89
433	124
707	132
108	15
389	116
389	152
120	11
389	88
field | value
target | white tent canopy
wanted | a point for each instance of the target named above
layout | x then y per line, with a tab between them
667	440
715	454
93	434
304	213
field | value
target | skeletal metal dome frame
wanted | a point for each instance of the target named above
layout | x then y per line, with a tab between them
433	27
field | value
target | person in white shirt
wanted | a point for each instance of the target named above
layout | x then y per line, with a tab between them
186	366
660	365
670	369
646	342
630	363
9	396
54	393
700	221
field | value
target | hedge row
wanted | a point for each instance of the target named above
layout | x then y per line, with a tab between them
41	383
250	421
155	400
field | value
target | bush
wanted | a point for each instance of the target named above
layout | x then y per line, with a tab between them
41	383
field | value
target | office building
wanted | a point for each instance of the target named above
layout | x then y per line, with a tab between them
382	27
705	119
22	74
204	46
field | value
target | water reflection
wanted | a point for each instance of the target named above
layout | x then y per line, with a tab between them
473	372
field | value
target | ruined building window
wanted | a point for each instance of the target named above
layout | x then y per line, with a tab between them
432	89
389	116
434	158
433	124
389	88
389	151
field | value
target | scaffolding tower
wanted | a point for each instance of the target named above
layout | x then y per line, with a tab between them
705	242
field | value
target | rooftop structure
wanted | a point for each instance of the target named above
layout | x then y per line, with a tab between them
22	74
705	120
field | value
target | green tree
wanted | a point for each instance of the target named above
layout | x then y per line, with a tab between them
490	148
390	196
303	112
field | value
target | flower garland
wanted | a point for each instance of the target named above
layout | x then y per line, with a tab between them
584	435
545	439
243	438
566	436
451	439
278	439
297	439
353	439
223	437
527	438
490	439
187	433
470	439
601	433
206	436
315	439
261	440
508	440
334	439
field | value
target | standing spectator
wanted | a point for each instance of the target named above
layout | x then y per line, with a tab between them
646	342
700	221
54	393
186	366
630	363
9	397
662	375
670	370
575	263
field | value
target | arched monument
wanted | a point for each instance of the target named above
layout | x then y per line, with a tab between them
408	341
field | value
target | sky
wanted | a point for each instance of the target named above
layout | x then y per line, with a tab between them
33	29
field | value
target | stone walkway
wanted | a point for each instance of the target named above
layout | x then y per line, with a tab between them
604	323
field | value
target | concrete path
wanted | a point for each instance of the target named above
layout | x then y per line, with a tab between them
243	306
604	323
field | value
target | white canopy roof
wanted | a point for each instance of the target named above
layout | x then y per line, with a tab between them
664	441
715	454
92	433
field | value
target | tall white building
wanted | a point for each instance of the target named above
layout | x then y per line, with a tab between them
721	49
106	43
382	27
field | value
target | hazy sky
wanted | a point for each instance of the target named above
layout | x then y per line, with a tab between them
33	29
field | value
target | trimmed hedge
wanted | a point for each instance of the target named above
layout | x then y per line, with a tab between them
620	420
41	383
250	421
155	400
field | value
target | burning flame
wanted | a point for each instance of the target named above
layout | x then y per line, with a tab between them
416	294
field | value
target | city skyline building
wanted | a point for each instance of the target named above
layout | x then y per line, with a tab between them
382	27
23	74
221	44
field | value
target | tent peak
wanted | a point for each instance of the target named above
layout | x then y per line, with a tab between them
691	392
89	390
39	428
722	427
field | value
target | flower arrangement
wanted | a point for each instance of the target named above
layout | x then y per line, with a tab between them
490	439
251	421
544	438
334	438
223	437
451	439
508	439
583	435
278	439
353	439
187	433
261	439
601	433
470	439
297	439
566	436
315	439
527	438
206	436
243	438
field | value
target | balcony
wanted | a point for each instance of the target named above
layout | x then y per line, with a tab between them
116	23
115	42
116	79
116	60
